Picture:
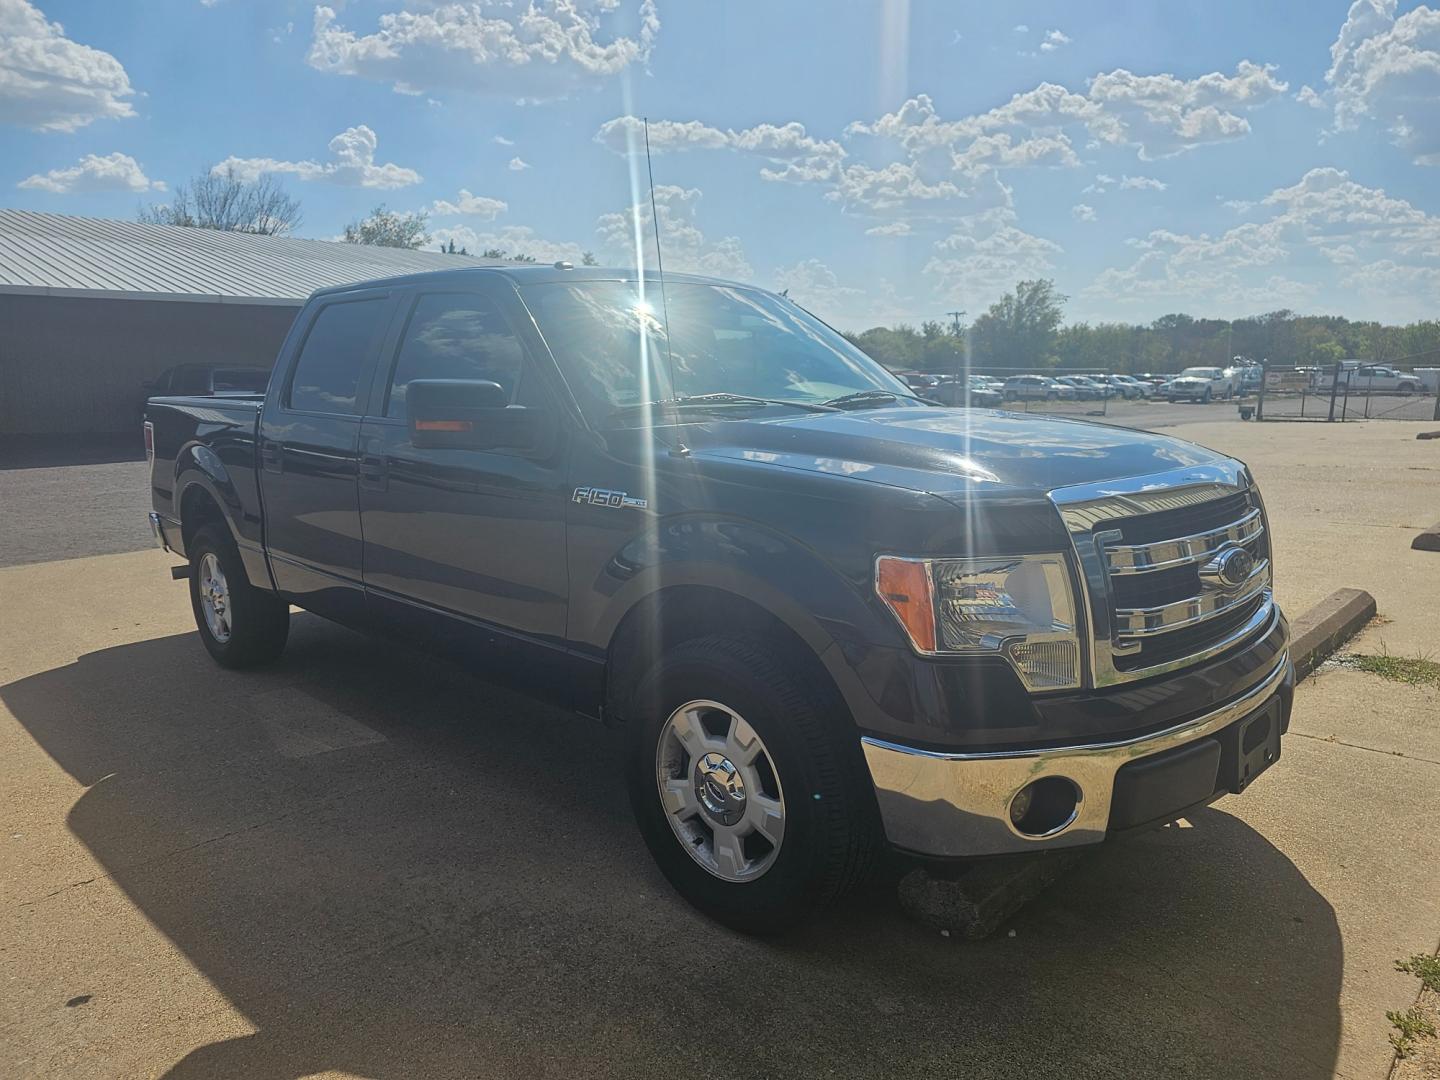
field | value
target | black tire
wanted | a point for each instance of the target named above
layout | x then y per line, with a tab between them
1406	389
832	830
1009	395
1051	395
1205	397
259	620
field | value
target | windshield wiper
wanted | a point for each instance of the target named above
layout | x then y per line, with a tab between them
861	397
719	399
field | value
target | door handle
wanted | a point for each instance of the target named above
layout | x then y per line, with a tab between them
272	456
374	467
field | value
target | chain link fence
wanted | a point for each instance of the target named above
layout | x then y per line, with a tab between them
1348	392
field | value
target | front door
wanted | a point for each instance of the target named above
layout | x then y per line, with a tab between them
466	548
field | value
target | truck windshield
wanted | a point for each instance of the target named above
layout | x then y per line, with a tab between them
609	340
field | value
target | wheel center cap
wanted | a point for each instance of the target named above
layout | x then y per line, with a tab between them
720	788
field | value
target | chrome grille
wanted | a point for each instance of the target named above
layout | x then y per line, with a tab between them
1149	550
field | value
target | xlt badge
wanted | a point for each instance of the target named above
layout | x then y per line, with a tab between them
602	497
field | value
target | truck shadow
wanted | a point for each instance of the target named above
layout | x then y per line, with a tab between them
393	870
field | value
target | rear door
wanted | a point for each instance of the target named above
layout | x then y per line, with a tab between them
460	544
309	453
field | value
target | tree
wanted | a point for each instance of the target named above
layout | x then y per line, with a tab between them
500	253
1020	328
228	203
588	259
451	249
387	228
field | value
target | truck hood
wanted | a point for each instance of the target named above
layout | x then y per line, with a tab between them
948	451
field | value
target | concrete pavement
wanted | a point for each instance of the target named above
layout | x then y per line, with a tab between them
361	862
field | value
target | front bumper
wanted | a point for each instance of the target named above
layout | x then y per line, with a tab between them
957	805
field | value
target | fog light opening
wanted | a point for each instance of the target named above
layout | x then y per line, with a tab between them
1045	806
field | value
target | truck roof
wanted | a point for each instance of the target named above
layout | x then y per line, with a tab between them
527	274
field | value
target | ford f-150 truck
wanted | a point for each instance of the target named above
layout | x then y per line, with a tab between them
829	615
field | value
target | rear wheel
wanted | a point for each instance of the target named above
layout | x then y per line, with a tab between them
240	625
1406	389
750	793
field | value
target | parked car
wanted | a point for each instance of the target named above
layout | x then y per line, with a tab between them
1127	387
919	381
1036	388
1376	379
972	393
825	615
1084	389
1202	384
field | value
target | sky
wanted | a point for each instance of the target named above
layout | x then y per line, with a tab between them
887	161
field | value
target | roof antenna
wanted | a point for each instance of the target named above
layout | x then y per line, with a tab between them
659	262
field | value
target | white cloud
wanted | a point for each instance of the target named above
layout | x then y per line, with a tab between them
513	240
890	228
469	205
1021	29
529	52
685	246
1081	212
352	163
818	289
516	165
1053	40
791	153
1388	70
51	83
113	172
1324	219
1141	183
1160	115
985	256
501	140
1308	96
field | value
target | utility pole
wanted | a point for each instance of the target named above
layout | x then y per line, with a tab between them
955	317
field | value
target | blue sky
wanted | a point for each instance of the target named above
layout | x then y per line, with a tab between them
884	161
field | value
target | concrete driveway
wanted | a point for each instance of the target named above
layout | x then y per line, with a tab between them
364	863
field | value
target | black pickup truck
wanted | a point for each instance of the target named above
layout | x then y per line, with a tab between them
829	615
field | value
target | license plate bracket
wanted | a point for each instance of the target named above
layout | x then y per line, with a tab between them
1252	746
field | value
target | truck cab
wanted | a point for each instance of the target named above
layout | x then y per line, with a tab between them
827	616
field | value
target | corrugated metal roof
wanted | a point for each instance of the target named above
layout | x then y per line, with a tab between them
74	256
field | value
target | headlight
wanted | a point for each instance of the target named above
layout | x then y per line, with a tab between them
1019	606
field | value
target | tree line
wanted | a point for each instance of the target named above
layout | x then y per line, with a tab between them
1025	329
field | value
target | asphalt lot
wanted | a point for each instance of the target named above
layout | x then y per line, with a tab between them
362	862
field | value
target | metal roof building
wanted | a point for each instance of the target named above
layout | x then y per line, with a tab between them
90	308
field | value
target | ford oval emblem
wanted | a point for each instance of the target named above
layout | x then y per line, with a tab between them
1230	568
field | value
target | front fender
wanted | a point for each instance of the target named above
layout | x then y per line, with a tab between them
790	581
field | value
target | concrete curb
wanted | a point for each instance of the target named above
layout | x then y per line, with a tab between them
973	903
1325	627
1429	540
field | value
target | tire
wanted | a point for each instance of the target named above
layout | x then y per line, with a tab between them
828	826
1009	395
1051	395
1406	389
1205	397
255	622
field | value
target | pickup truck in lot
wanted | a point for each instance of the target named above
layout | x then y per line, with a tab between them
828	615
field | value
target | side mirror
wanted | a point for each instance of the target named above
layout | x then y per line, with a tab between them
467	414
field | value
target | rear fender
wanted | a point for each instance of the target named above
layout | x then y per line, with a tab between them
199	469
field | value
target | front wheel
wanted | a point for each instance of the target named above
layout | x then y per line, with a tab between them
1205	397
240	626
748	787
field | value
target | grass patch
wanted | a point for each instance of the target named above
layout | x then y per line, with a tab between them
1409	1026
1424	968
1414	670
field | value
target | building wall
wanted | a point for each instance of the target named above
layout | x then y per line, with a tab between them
75	365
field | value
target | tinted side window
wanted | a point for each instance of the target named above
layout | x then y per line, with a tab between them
456	336
328	371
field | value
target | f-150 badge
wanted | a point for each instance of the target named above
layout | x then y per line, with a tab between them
601	497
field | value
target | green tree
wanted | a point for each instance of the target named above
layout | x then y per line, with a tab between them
1020	329
388	228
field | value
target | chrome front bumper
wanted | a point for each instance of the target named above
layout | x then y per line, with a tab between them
958	805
